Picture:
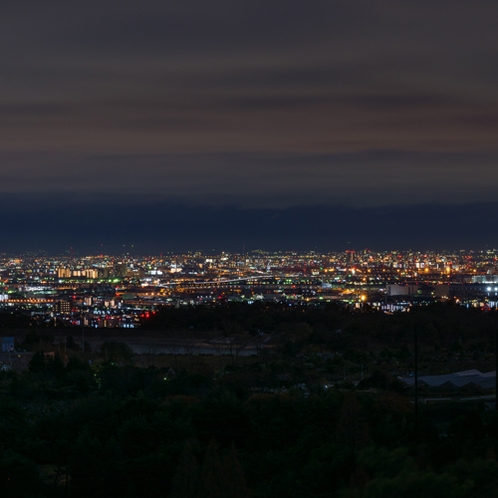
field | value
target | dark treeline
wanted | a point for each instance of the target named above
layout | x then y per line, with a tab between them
445	331
440	321
124	431
268	427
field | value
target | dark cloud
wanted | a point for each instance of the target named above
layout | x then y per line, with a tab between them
266	103
265	179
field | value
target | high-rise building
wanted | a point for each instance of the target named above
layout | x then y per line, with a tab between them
62	307
63	273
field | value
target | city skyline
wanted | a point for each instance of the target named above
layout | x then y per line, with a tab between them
104	291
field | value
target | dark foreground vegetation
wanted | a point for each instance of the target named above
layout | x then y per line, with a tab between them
278	425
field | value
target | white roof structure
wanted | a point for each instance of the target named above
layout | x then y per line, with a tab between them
456	379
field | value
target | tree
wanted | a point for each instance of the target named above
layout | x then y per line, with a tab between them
186	480
18	476
235	481
222	477
117	352
37	363
212	476
56	366
352	428
31	341
71	344
86	468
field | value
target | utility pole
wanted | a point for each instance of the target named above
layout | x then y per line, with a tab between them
416	383
83	333
496	369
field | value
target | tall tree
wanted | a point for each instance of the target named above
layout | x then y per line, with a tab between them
186	480
212	475
235	485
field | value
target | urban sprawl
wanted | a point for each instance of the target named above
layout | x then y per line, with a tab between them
109	291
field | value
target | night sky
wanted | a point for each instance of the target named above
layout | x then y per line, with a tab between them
241	125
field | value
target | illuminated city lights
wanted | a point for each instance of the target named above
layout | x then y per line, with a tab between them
109	291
